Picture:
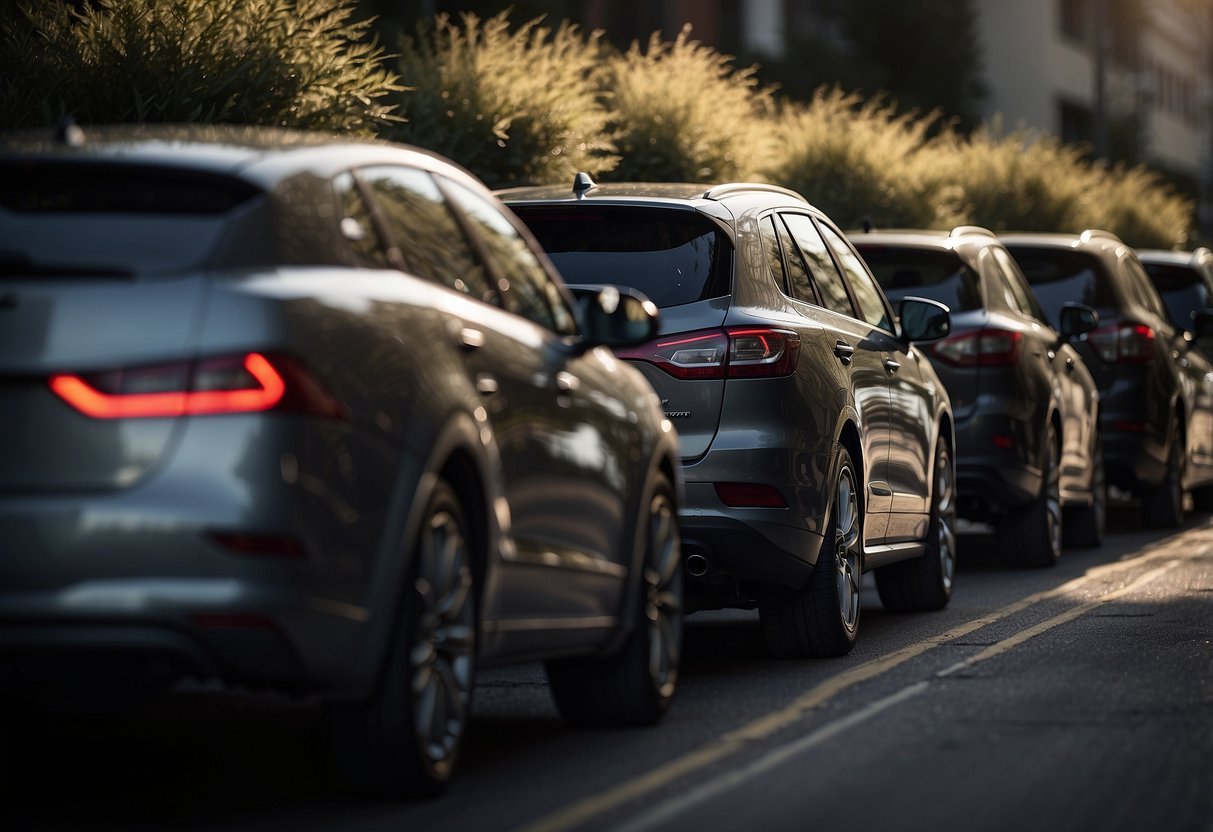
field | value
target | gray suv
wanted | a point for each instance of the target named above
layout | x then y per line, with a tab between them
1027	408
1156	388
816	440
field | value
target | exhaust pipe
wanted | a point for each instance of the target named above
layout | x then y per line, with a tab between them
696	565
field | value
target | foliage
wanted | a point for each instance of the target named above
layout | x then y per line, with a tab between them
289	63
682	112
858	161
514	108
1026	182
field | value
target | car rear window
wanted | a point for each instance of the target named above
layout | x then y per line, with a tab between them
1058	276
672	256
1182	290
64	218
943	276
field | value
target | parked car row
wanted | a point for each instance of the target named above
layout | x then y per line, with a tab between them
326	418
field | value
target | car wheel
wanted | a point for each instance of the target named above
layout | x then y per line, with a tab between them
822	619
1163	507
635	685
1085	526
405	740
1032	537
925	583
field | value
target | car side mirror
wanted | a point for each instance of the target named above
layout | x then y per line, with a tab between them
923	320
1202	323
615	316
1076	319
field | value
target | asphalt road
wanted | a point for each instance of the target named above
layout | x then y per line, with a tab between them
1073	698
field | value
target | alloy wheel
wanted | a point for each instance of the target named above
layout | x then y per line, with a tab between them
848	576
442	655
663	599
945	496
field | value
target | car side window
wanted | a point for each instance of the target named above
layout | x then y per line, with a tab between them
826	277
1143	287
1019	296
770	243
530	291
872	307
425	237
357	227
798	273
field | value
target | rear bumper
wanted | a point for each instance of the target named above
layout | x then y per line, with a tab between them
137	580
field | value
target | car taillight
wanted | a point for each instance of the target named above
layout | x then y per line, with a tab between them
230	384
738	352
1123	343
980	348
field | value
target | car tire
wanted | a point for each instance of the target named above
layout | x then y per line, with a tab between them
1163	507
1032	536
634	686
1085	526
822	619
405	740
925	583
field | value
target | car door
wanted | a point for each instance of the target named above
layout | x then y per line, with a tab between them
566	442
911	415
861	349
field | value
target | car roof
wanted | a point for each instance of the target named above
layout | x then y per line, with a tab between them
1089	239
586	190
1175	258
935	238
260	155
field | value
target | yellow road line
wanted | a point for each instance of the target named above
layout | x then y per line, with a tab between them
733	741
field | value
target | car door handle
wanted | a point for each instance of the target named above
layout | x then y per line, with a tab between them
891	365
486	385
844	351
470	339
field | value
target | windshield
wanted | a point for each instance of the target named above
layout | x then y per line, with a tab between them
674	257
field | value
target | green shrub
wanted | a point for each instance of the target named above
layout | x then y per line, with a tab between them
1141	209
513	107
681	112
859	161
288	63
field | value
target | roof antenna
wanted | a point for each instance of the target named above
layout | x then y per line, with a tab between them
583	184
68	132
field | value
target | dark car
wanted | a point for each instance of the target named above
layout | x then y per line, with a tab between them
1156	389
319	418
1184	279
1027	409
816	442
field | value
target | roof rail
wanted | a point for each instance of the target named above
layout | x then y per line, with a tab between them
971	229
717	191
1099	233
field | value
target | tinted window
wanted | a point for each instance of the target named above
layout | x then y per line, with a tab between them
673	257
937	275
829	282
530	290
356	225
1017	286
1057	276
770	243
425	237
798	273
106	219
867	294
1182	291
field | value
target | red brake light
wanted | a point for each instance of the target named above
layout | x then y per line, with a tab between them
1124	343
980	348
232	384
741	352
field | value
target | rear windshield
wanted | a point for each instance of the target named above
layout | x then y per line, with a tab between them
1182	290
57	219
1058	276
936	275
672	256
